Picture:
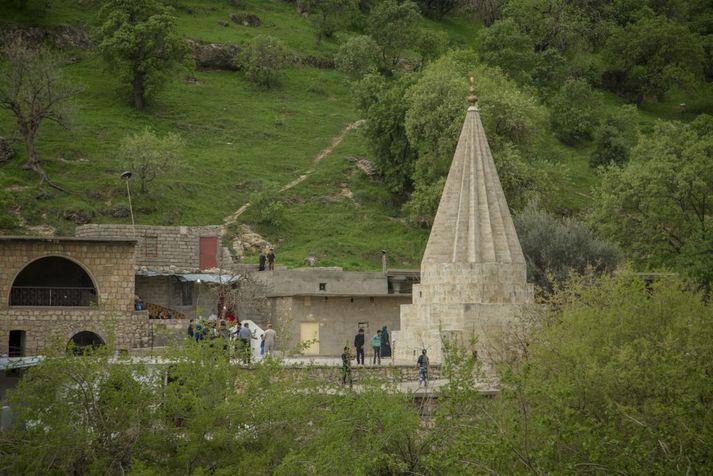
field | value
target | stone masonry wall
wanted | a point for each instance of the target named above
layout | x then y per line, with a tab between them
110	266
164	248
47	326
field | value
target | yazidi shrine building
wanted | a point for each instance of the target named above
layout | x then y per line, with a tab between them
473	272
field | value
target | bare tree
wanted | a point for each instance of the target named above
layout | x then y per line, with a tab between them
31	88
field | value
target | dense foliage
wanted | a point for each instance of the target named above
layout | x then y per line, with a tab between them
613	375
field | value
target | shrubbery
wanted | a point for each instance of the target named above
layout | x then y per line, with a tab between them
263	60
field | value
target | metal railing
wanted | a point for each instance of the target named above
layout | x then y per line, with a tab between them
52	296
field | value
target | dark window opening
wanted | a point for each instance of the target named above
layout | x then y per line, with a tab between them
322	286
53	281
371	299
186	293
16	344
84	341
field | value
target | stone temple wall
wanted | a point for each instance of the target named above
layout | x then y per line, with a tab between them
110	264
163	248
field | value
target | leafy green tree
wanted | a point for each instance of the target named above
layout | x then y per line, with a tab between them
434	119
574	112
394	27
139	39
329	16
615	137
148	155
554	248
555	24
263	60
383	106
503	45
649	57
660	201
440	8
358	56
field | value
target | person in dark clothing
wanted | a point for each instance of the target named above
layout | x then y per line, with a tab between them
385	342
346	367
271	260
190	329
359	344
261	261
422	363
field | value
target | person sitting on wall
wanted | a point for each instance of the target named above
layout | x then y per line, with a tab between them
138	303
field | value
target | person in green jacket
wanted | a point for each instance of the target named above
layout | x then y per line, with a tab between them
376	345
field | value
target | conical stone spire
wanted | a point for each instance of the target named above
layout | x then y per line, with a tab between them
473	222
473	273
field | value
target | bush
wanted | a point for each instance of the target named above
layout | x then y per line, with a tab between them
613	379
615	137
358	56
573	112
267	208
263	59
554	248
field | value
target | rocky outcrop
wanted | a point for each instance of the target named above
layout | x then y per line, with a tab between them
6	150
366	166
246	19
215	55
57	36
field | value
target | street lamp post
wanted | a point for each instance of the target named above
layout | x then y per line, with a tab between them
125	176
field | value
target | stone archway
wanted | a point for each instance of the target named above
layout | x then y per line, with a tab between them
84	340
53	281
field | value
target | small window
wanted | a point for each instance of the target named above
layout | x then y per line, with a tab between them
151	246
322	286
371	299
351	299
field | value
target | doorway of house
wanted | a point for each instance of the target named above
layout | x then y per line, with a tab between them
309	331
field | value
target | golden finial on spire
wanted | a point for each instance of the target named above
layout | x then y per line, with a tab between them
472	98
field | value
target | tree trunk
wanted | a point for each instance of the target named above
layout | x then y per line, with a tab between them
33	163
138	90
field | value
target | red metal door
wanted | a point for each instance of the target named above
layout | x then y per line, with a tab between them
208	252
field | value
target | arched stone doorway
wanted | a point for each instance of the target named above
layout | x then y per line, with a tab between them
82	341
53	281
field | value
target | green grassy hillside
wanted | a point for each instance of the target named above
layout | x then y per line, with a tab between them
240	140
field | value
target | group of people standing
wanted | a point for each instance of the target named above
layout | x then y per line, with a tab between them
235	336
269	258
380	344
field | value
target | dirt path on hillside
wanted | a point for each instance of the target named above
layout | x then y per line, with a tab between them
318	158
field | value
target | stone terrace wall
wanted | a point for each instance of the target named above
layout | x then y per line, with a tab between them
164	248
47	326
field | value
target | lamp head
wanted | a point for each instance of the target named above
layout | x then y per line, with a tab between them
126	175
